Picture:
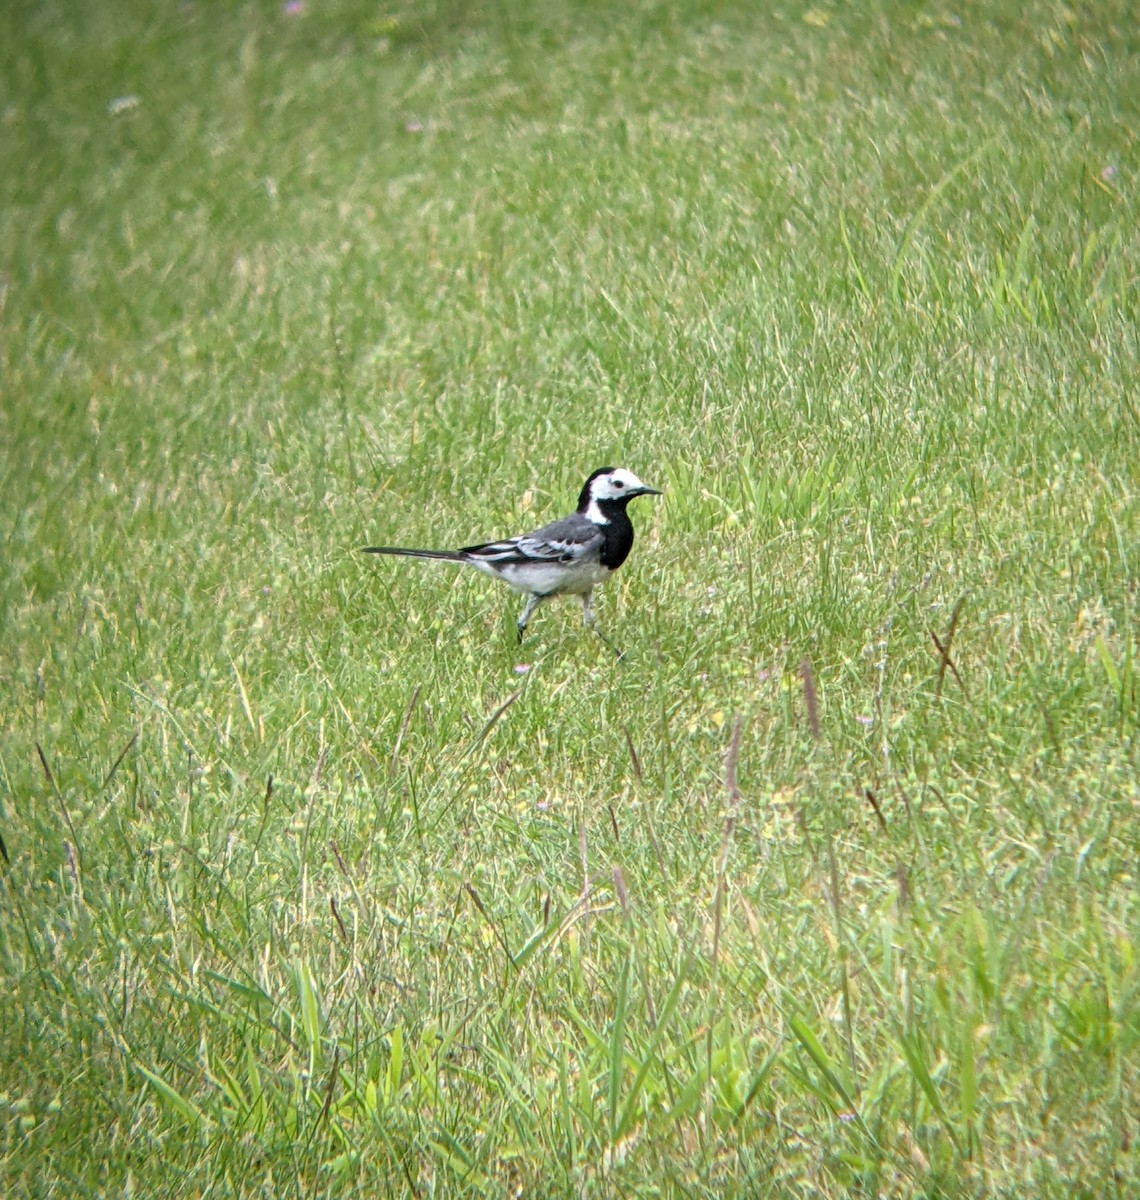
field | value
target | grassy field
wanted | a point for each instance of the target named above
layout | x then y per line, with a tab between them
315	883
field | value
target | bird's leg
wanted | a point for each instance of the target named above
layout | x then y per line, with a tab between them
591	619
532	603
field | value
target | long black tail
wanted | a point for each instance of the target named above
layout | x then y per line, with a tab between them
444	555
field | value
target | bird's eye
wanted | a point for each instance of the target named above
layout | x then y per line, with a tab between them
618	483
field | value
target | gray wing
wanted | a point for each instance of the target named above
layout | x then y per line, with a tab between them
570	539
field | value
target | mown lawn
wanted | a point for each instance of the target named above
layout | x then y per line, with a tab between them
315	883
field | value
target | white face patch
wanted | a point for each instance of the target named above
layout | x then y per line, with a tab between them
616	485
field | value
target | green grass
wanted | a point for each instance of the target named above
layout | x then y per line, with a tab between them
308	890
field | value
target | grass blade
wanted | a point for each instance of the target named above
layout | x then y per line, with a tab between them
617	1049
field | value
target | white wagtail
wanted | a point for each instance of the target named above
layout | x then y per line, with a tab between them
567	557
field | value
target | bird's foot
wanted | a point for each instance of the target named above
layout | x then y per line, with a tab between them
618	654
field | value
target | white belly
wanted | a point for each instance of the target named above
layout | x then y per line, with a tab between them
549	579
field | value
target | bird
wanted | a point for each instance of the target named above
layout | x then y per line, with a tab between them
570	556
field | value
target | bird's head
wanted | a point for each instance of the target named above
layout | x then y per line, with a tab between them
611	487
